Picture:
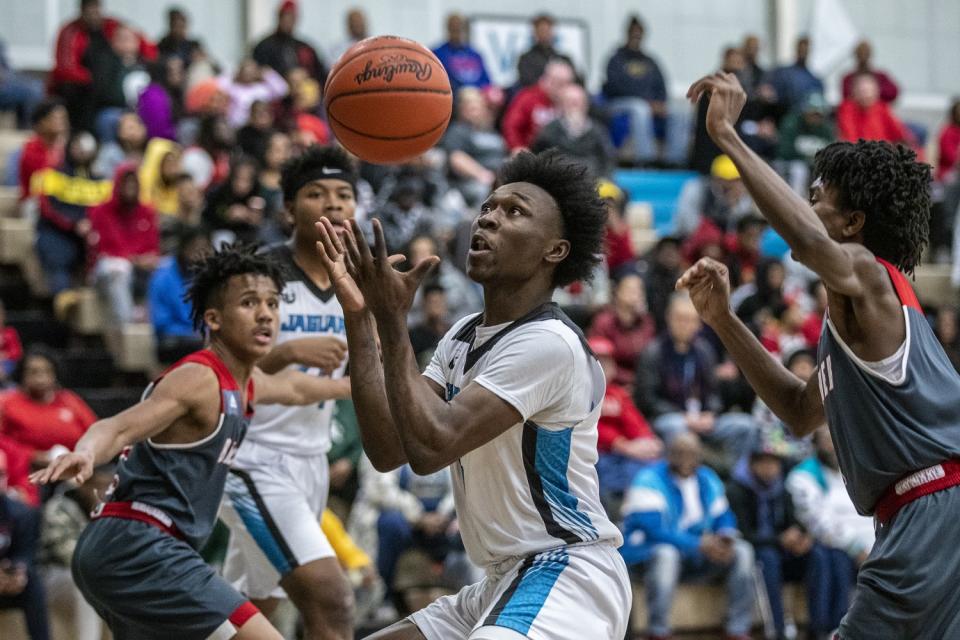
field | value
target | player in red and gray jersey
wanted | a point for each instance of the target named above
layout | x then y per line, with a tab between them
883	383
137	562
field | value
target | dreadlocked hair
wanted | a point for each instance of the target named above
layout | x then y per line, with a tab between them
211	274
890	186
574	190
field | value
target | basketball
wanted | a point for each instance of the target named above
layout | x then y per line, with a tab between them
388	99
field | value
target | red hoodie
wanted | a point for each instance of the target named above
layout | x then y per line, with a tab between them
72	42
529	111
619	417
123	232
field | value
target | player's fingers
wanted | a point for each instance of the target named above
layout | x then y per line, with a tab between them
379	242
334	244
330	249
353	238
396	259
420	271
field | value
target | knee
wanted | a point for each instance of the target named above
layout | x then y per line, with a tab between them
743	557
325	601
664	563
392	524
669	425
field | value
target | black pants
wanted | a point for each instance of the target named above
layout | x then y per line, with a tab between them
33	601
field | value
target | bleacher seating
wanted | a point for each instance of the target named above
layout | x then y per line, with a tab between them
660	189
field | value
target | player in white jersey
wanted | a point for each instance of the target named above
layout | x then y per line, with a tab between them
510	403
278	484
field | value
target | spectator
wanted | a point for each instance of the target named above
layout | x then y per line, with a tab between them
863	115
65	195
20	584
425	335
282	51
71	76
251	83
534	106
764	512
793	83
627	324
170	314
18	92
356	31
757	299
161	103
11	350
158	175
346	452
125	238
208	161
743	249
128	145
461	296
275	227
235	209
663	269
813	325
678	525
843	538
676	386
405	215
118	76
177	42
772	431
65	515
190	201
475	149
40	417
782	330
576	134
625	442
752	74
946	329
636	84
532	64
703	150
298	111
803	132
252	137
463	63
618	242
888	87
948	146
720	201
46	146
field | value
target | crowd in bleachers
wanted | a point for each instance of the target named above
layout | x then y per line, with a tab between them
145	154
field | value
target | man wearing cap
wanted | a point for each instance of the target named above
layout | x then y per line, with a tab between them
720	199
532	63
282	51
765	515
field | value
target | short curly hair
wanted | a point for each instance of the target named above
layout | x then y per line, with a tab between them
890	186
210	275
583	214
316	157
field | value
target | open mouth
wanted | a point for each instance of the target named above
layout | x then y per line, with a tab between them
263	335
479	244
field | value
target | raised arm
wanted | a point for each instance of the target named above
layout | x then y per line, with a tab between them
179	393
324	352
842	267
797	402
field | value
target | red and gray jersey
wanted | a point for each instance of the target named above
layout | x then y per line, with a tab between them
181	485
892	418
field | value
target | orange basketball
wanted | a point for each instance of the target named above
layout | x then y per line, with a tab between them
388	99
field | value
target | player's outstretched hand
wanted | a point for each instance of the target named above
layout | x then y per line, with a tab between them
708	282
726	97
76	466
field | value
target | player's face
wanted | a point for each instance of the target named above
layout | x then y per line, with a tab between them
824	203
248	318
518	233
330	199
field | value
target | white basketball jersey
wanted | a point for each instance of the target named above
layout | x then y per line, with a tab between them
534	487
305	311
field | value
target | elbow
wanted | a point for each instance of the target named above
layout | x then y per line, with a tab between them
385	464
424	465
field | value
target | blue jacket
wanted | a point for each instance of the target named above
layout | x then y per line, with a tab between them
169	313
653	508
634	74
464	66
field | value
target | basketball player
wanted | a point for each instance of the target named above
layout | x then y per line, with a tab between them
883	384
137	561
278	485
509	403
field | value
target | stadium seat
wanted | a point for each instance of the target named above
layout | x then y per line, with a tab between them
36	325
660	189
137	349
92	368
112	400
10	141
16	240
9	202
933	285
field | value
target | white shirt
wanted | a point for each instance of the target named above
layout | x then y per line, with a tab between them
534	487
305	311
692	506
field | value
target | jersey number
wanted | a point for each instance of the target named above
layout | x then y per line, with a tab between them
825	377
229	452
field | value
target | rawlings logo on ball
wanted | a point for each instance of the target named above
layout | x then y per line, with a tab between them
394	65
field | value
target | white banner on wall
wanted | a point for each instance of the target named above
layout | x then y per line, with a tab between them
502	39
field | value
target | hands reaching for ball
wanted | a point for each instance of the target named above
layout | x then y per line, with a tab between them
368	280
